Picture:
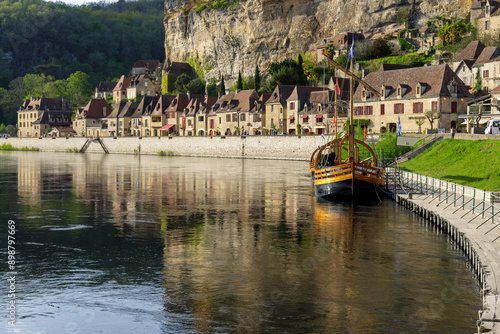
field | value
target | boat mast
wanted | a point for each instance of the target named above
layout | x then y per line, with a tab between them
351	110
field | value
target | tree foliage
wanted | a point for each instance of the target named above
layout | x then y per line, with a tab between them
101	39
257	78
453	32
286	72
380	48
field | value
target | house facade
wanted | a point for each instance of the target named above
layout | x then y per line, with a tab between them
487	14
91	121
120	90
38	114
407	94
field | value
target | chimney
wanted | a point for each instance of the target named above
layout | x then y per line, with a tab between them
189	96
63	103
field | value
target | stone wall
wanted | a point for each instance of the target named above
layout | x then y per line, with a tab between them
266	147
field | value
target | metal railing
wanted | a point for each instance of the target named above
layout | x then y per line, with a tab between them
472	200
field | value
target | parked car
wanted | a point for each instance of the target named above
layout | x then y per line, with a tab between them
492	127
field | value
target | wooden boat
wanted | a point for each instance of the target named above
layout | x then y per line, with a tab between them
349	177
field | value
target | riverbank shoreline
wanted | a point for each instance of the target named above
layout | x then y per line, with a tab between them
471	235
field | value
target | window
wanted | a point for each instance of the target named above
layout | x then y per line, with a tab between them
305	119
228	118
189	122
242	117
382	109
235	117
145	122
368	110
434	106
292	120
200	118
454	107
486	73
292	105
399	108
418	107
212	124
358	111
319	119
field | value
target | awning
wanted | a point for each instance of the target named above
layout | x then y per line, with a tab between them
304	116
291	117
319	116
166	127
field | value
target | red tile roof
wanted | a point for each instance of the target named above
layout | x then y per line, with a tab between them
471	51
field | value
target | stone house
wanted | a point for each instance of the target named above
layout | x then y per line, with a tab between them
137	126
299	100
157	118
174	113
195	115
487	14
142	85
91	121
488	67
407	94
38	114
276	111
104	89
471	53
219	119
151	68
119	119
120	90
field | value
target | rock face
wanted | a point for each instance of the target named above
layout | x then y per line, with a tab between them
264	31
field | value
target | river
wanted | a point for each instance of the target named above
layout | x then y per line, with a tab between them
152	244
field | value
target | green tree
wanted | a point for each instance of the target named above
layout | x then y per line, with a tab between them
2	128
212	87
239	83
478	84
78	89
257	77
380	48
195	86
181	82
222	86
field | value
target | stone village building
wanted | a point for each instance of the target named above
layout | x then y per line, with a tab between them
119	120
91	121
38	114
407	94
487	14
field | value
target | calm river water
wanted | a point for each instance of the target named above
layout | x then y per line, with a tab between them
150	244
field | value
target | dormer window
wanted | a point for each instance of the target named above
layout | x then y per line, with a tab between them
401	90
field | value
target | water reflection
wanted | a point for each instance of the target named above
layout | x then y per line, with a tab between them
219	245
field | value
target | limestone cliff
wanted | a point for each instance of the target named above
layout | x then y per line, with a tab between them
264	31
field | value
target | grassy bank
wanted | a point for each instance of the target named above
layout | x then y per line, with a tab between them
474	163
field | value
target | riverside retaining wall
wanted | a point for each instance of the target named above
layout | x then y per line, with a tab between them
266	147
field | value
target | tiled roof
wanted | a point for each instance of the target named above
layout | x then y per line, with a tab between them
106	86
471	51
392	67
147	103
96	108
245	100
149	64
281	94
53	118
488	54
435	78
223	102
44	103
162	104
122	84
128	110
179	103
303	93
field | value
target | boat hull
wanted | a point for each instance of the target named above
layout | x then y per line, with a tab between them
346	189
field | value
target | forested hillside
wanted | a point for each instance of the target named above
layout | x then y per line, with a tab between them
54	39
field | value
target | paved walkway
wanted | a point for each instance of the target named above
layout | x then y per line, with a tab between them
480	240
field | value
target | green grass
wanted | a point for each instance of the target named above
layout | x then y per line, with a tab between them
165	153
9	147
468	162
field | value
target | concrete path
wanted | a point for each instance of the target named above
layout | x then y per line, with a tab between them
477	236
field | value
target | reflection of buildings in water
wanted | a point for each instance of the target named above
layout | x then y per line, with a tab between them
39	179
